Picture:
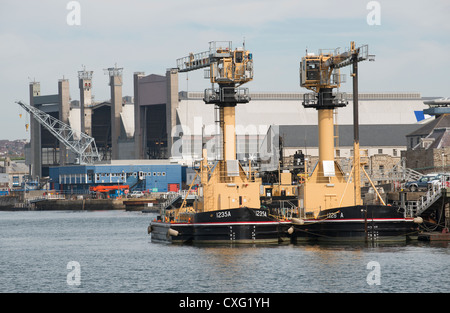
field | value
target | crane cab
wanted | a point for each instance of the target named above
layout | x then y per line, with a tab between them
314	74
309	70
235	68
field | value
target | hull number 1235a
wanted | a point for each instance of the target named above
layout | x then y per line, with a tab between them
223	214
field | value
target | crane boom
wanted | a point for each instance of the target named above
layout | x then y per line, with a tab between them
226	66
322	71
84	147
193	62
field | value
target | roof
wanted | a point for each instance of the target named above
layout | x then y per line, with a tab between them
260	114
441	121
369	135
441	138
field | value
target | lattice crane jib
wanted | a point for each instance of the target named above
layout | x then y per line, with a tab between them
81	144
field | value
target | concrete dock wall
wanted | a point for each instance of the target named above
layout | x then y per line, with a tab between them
82	204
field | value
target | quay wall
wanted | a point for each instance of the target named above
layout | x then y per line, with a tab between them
80	204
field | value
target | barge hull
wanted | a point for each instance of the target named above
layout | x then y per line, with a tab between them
242	225
358	224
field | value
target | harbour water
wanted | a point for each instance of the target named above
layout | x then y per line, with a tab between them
110	251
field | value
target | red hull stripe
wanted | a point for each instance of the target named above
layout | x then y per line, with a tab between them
359	220
225	223
351	220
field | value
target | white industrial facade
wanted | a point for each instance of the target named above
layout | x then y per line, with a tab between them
379	113
161	122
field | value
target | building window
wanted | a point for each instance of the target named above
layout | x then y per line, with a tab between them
159	173
381	168
163	173
394	152
338	153
154	173
380	151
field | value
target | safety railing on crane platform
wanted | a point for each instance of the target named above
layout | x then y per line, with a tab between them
239	95
193	61
220	49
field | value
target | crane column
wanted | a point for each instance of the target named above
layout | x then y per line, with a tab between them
320	73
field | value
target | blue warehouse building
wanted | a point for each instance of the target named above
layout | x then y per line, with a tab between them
154	176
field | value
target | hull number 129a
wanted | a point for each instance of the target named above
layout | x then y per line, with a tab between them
261	213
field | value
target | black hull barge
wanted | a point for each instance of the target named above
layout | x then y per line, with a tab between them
237	226
362	223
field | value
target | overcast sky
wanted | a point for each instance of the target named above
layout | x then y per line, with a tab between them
411	43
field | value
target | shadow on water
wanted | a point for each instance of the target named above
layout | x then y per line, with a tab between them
332	245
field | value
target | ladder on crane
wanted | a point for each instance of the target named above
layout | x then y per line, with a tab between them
84	147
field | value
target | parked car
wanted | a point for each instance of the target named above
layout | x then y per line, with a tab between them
440	179
423	182
137	194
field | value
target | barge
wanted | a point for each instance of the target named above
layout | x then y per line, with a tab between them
332	208
228	206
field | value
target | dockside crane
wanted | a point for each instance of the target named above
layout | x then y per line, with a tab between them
81	144
321	74
229	69
225	185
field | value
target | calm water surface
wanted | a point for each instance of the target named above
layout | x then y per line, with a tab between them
115	254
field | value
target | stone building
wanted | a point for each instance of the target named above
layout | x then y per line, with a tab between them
429	146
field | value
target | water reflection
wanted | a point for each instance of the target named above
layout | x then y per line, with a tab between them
117	255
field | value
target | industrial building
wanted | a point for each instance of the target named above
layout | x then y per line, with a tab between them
160	122
145	176
385	120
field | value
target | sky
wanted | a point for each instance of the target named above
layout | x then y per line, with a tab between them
48	40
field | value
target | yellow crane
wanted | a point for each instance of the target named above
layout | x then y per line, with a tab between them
226	186
229	69
321	74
